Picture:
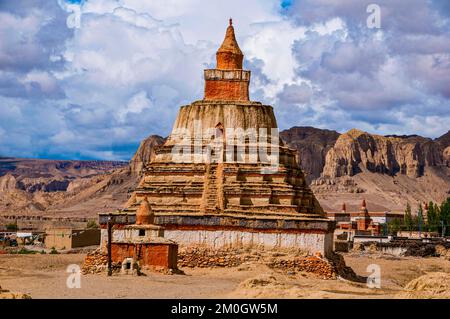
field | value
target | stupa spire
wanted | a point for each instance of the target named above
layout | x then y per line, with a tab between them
228	81
229	56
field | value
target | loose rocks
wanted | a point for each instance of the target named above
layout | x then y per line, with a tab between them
315	265
95	263
6	294
202	257
206	258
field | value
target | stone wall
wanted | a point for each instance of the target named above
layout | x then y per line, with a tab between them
310	242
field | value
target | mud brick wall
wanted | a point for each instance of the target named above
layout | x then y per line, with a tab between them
86	237
148	254
226	90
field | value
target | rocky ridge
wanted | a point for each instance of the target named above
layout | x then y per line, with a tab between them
389	155
145	153
387	171
312	145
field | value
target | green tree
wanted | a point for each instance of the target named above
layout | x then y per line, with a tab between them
444	217
420	215
408	219
92	224
11	227
394	226
433	217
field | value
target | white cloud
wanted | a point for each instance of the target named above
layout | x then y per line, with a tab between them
93	80
136	104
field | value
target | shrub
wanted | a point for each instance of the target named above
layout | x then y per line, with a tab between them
24	251
92	224
11	227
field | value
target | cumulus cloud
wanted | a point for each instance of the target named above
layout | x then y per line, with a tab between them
383	79
90	79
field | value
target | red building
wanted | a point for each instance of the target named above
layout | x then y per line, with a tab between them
136	240
362	222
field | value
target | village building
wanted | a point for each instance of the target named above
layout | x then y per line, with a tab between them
362	222
366	217
64	238
233	182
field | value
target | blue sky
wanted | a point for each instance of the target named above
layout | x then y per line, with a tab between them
91	79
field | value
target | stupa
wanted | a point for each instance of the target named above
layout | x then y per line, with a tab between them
224	178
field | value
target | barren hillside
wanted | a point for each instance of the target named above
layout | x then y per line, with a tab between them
387	171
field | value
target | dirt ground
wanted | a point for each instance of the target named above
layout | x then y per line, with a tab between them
45	276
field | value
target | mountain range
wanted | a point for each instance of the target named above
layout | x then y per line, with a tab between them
387	171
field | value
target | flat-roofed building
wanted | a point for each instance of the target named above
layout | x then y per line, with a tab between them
68	238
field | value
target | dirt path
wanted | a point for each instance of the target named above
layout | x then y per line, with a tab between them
44	276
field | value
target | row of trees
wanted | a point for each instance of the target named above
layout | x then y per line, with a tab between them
438	219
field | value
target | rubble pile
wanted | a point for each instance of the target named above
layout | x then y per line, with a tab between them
314	264
342	270
443	252
430	285
412	248
289	262
95	263
421	250
358	247
206	258
6	294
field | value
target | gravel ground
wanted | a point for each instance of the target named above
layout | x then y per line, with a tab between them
45	276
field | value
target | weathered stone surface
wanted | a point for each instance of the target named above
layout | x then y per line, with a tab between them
446	155
310	242
144	154
144	214
231	114
284	260
444	140
312	145
382	154
7	182
32	185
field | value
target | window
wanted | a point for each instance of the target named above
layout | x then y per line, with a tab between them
141	232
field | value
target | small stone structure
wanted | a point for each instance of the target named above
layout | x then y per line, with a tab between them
137	242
